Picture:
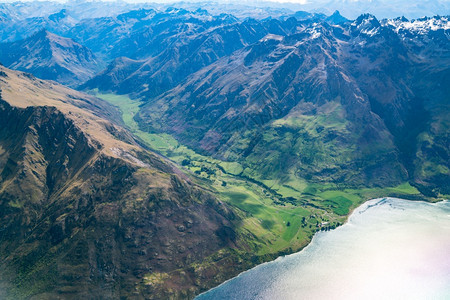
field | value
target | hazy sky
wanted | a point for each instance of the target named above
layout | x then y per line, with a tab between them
309	2
348	8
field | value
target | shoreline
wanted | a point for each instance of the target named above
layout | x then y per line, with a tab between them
378	201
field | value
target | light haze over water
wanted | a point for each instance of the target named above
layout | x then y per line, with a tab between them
389	249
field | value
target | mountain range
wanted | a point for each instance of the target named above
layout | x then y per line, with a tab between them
155	151
359	86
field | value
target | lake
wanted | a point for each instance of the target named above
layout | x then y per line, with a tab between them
389	249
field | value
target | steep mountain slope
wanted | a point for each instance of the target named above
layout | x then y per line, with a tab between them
87	212
341	104
407	88
49	56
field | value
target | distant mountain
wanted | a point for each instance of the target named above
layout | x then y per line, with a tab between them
143	33
15	28
182	56
87	212
49	56
80	9
336	18
343	104
380	8
158	58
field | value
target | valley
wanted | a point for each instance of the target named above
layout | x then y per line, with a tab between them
268	206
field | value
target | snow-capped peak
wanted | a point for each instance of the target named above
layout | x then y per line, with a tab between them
367	24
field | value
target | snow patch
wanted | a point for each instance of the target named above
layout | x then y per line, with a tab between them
272	37
420	26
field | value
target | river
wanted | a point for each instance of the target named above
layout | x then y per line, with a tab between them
389	249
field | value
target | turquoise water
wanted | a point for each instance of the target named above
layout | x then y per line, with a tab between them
388	249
